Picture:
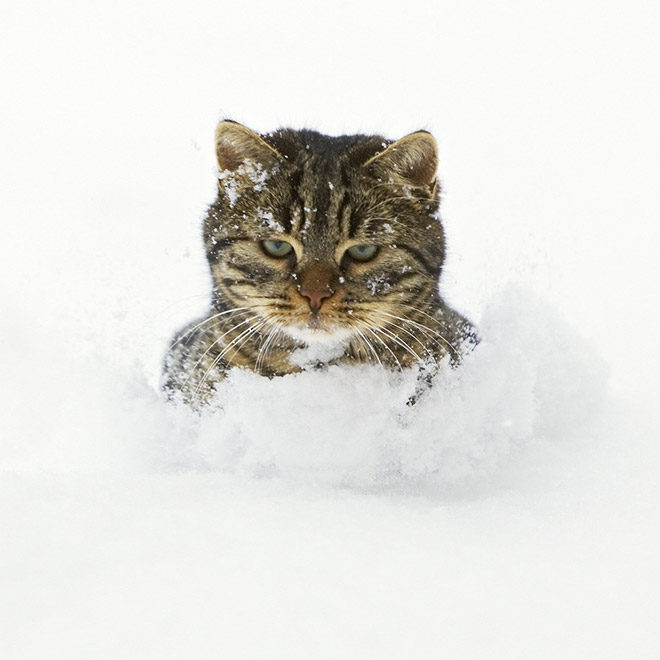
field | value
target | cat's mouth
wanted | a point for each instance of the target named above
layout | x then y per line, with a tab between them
314	322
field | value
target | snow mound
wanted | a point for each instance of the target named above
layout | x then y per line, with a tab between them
532	381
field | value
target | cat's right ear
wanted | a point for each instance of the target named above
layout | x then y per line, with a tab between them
236	145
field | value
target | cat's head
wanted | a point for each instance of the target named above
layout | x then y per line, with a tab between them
324	237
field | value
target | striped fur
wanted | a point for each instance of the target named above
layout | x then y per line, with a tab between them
322	195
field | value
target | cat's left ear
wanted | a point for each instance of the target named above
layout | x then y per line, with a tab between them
413	157
236	145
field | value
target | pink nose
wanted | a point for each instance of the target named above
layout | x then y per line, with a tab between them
315	298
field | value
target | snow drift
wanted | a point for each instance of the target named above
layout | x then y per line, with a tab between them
531	381
511	514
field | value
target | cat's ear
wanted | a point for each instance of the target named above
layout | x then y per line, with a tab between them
413	157
236	145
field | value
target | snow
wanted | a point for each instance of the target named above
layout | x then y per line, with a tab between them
511	513
268	220
359	433
378	284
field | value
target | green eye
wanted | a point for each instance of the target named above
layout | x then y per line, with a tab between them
362	252
277	249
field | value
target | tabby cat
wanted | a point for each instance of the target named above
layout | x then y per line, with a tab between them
332	244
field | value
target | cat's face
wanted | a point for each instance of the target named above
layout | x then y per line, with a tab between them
325	238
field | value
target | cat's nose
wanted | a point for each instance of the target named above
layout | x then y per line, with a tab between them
316	298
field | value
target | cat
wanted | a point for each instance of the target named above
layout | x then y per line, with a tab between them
326	243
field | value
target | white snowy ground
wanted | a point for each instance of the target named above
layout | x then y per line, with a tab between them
514	514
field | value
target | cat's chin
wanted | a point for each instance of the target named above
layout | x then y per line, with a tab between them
319	345
322	336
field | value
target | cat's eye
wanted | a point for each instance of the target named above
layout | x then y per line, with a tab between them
277	249
362	252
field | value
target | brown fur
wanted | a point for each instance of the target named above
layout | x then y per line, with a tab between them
322	195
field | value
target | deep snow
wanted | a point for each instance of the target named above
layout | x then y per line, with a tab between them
511	514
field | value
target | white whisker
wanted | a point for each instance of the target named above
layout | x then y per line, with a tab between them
373	331
266	345
217	341
433	318
189	332
400	342
369	346
400	327
245	335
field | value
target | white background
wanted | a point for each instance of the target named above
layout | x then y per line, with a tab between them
546	117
